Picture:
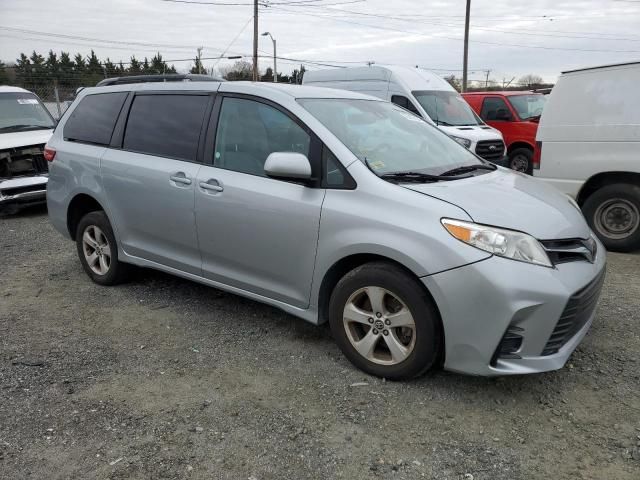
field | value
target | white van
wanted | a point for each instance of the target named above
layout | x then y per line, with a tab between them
588	146
425	94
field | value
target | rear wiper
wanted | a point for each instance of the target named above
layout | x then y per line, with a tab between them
417	177
469	168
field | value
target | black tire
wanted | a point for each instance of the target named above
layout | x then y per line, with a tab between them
117	271
425	352
613	213
517	159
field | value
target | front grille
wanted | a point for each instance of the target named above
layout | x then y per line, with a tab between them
23	162
571	250
576	314
491	150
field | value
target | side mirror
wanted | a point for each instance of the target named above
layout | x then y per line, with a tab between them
288	165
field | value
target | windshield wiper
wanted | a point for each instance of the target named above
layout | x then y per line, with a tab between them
418	177
468	168
24	127
446	124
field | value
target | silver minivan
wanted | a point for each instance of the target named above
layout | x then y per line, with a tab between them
333	206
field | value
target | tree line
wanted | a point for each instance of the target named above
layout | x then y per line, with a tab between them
39	73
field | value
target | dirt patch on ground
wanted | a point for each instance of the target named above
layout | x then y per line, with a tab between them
165	378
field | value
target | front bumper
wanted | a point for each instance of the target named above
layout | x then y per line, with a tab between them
23	191
481	302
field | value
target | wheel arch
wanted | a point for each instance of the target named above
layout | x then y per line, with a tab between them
79	206
344	265
602	180
519	144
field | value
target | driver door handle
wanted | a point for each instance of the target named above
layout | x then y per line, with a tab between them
181	178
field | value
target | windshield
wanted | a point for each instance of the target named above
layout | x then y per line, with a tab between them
528	106
20	111
389	138
447	108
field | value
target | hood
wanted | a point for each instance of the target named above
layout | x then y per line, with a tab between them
23	139
514	201
475	133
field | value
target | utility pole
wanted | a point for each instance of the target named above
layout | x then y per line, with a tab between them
486	81
255	41
466	47
199	60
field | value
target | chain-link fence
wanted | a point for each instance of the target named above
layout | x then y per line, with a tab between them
57	99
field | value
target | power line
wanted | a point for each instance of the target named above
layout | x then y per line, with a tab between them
520	31
436	36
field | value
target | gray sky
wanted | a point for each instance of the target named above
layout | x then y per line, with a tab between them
569	34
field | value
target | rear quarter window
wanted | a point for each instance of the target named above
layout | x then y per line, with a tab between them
92	121
166	125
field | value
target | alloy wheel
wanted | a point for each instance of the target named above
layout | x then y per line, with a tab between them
379	325
96	249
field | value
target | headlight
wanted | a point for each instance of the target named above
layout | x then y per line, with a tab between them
498	241
465	142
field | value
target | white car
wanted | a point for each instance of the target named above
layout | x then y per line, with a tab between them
423	93
25	126
587	146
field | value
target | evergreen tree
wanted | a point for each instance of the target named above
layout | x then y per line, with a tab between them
146	69
158	66
110	69
23	70
134	67
67	74
197	67
4	78
52	66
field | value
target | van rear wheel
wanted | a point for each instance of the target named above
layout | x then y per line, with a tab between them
613	213
384	322
98	250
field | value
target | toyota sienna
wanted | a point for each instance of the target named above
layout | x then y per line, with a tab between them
333	206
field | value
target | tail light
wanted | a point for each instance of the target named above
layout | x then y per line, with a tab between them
49	154
537	152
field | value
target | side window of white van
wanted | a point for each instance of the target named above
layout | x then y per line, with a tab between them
404	102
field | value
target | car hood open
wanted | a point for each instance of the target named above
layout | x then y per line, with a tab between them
512	200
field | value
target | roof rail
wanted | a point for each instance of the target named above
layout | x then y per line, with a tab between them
173	77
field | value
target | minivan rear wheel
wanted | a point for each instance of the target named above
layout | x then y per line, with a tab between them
98	250
384	322
613	213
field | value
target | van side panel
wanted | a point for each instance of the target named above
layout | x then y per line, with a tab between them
590	125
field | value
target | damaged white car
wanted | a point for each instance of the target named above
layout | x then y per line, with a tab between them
25	127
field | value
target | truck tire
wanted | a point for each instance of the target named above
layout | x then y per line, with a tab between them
521	160
613	213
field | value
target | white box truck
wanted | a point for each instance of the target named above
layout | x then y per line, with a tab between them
588	146
423	93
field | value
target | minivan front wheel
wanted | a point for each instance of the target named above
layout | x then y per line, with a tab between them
98	250
384	322
613	213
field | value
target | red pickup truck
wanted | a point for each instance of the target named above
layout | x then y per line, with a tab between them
516	116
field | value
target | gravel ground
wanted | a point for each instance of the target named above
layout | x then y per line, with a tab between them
164	378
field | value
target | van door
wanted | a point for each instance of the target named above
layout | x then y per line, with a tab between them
150	181
256	233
